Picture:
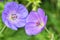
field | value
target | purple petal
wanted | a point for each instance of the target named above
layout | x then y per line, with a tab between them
31	24
11	6
28	28
45	20
4	15
20	23
32	17
42	16
41	13
13	26
22	10
10	25
32	29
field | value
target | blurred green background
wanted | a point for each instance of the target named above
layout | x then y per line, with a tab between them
52	10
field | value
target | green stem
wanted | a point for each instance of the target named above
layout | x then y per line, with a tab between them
28	4
52	35
47	30
3	29
34	6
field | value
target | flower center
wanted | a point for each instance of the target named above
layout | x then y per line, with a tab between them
39	24
13	16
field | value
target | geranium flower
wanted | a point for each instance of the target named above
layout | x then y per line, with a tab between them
35	22
14	15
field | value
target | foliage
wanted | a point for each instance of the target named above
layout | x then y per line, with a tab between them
52	9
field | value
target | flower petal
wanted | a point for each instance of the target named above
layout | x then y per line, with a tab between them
11	6
32	29
20	23
4	15
45	20
41	13
32	17
28	28
13	26
6	21
22	10
8	24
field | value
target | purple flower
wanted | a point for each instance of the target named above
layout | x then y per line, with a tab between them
14	15
35	22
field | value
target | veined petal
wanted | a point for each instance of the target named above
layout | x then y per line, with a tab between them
11	6
32	29
45	20
22	10
13	27
20	23
10	25
32	17
41	13
28	28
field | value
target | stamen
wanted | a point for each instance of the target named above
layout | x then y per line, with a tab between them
13	16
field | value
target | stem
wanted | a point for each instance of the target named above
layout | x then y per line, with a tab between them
52	38
34	6
3	29
28	4
52	35
47	30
